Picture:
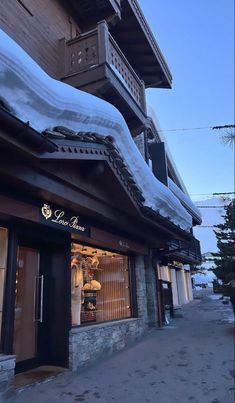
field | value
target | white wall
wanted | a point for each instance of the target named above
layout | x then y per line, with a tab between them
164	273
189	285
182	293
174	287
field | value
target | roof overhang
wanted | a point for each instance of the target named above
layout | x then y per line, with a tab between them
138	43
87	147
89	12
21	133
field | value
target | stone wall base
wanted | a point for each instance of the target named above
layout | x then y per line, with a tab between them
87	344
7	373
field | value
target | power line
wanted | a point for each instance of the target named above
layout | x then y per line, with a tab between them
210	206
211	194
223	127
197	128
201	194
206	226
185	128
225	193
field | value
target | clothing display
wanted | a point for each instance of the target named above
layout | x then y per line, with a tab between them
100	285
76	290
93	285
83	288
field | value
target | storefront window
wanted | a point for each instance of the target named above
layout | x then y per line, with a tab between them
99	285
3	267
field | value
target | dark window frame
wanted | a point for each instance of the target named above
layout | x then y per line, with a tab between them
9	296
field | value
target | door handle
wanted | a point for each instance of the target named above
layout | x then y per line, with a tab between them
41	298
35	299
38	298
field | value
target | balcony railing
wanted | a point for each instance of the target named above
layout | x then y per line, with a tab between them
95	48
189	252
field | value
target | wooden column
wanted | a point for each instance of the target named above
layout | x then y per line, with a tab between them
103	41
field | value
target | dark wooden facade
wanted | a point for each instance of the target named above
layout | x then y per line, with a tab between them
95	183
38	29
95	63
69	41
90	45
187	252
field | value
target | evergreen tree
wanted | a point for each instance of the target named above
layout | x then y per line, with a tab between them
225	257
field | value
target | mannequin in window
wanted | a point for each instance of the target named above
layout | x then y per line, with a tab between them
76	289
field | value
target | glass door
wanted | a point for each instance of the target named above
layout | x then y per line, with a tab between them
40	326
28	305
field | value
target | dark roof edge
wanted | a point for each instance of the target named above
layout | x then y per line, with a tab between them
146	28
153	215
23	132
90	137
43	142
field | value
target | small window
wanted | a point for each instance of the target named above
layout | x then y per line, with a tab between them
3	267
100	288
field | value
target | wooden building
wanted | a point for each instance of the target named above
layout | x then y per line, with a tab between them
82	257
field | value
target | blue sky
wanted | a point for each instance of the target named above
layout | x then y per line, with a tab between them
197	40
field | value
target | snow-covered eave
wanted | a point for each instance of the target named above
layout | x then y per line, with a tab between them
40	146
186	201
29	138
76	141
170	161
43	103
154	217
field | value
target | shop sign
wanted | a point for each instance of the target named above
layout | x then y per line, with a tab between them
117	243
63	219
124	244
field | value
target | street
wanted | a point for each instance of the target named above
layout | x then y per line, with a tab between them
190	360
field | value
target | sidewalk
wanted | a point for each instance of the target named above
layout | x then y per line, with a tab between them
191	360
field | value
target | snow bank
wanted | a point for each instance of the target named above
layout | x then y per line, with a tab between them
35	97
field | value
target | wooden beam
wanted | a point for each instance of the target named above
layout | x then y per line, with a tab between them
47	187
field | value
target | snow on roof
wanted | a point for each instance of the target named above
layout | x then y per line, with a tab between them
162	137
43	102
186	201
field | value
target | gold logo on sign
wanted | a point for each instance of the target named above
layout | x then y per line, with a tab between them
46	211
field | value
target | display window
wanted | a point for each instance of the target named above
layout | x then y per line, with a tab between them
100	289
3	267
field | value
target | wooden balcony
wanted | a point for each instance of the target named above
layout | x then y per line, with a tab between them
93	62
187	252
